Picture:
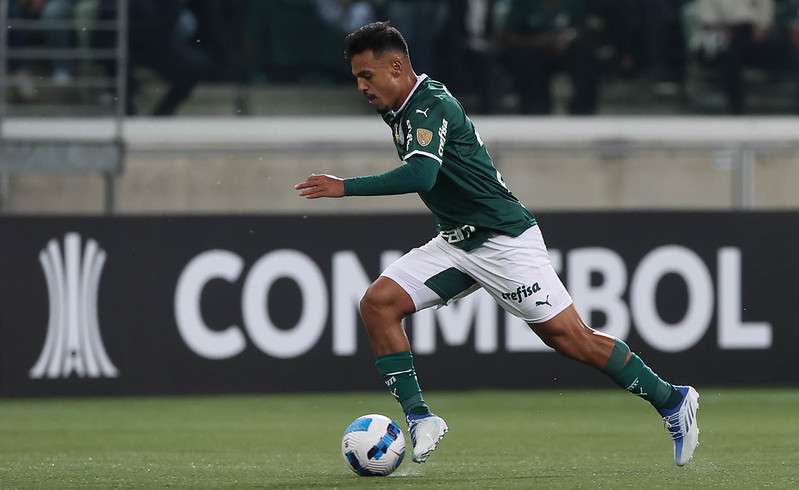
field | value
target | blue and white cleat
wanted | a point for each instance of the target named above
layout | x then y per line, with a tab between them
682	424
426	432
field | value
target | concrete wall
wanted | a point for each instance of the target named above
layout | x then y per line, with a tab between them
256	172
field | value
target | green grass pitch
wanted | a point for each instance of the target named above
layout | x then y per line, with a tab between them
498	439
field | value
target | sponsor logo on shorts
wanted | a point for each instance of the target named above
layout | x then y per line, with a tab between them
523	292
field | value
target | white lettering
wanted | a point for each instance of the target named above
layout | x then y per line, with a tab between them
687	332
255	304
557	260
477	312
208	343
605	297
350	282
519	337
455	320
442	135
732	332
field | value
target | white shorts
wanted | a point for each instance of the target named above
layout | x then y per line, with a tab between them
515	271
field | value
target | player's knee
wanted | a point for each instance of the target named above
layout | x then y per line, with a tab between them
366	306
378	301
570	341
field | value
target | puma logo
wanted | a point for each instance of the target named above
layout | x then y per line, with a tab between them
545	302
633	387
423	111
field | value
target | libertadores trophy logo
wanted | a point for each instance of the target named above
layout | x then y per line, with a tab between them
73	343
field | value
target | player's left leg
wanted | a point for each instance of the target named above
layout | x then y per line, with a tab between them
518	273
570	336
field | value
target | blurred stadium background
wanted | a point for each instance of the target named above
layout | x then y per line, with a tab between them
151	243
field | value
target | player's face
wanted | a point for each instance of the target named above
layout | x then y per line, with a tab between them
378	78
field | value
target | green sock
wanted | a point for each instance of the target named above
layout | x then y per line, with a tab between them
637	378
400	378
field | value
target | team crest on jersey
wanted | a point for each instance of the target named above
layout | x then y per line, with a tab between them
424	136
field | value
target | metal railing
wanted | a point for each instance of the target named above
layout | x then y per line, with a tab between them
54	153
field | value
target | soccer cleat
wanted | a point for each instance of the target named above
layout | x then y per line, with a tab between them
426	432
682	424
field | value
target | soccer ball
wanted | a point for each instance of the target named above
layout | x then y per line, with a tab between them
373	445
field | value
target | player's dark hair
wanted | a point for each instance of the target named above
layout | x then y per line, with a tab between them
377	36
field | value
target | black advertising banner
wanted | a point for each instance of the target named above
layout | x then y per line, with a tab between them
222	304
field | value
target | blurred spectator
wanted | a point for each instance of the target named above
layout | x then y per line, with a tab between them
292	43
666	55
467	52
20	71
788	18
60	38
624	27
221	34
161	38
738	34
347	15
647	37
420	23
544	37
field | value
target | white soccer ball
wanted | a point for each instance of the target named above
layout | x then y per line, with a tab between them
373	445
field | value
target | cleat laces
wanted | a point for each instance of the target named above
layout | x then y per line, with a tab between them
673	426
413	423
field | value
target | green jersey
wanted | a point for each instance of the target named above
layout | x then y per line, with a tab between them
469	199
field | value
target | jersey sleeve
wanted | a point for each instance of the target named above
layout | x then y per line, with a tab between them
426	131
417	174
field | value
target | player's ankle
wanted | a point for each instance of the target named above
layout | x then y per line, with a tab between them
419	410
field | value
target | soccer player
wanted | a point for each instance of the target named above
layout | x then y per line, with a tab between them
486	239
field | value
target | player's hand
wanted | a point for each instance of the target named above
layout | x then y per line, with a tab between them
317	186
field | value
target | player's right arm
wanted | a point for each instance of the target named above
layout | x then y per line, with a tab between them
417	174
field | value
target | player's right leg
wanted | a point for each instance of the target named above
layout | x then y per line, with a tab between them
383	308
420	279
